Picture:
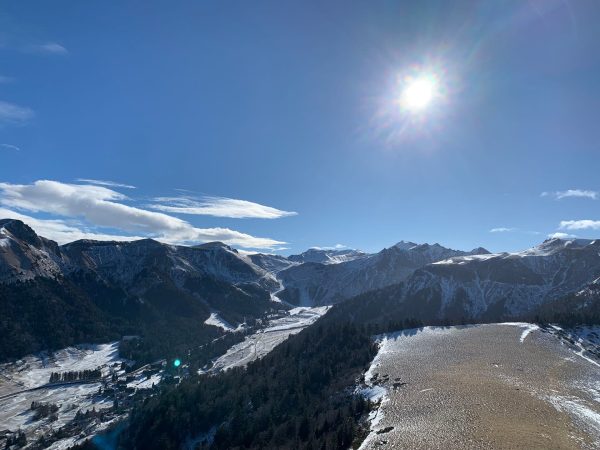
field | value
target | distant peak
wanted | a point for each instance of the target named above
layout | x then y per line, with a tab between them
480	251
215	245
405	245
20	231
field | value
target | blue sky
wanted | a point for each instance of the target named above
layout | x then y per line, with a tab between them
276	124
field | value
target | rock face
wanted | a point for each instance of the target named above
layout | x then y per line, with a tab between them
24	255
146	278
52	296
316	255
314	283
506	283
556	280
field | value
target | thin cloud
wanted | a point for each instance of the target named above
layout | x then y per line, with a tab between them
572	193
105	183
10	147
334	247
14	114
218	207
580	225
49	48
100	207
502	230
4	79
513	230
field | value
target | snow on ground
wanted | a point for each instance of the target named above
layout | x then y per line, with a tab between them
373	392
468	258
264	340
584	340
22	382
458	383
579	410
528	328
142	382
217	321
34	370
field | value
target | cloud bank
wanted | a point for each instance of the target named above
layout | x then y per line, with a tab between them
580	225
101	207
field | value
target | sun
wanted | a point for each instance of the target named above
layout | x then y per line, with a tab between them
418	92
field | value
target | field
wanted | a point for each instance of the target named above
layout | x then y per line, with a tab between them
485	386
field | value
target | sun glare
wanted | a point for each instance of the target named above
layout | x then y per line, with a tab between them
418	93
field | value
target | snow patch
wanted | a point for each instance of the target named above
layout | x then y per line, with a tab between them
374	392
528	328
22	382
216	321
579	411
258	344
143	382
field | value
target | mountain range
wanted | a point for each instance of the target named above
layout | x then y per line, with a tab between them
53	295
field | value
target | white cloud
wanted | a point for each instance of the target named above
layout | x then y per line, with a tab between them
335	247
580	225
10	147
100	207
502	230
105	183
11	113
218	207
49	48
62	231
572	193
559	235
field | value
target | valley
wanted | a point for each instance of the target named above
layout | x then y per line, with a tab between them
118	385
92	331
258	344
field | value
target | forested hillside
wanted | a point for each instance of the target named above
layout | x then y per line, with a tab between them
299	396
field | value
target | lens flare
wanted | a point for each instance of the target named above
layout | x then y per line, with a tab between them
177	362
419	92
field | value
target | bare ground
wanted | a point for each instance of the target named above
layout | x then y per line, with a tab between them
480	387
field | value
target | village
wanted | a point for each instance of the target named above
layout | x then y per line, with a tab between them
74	404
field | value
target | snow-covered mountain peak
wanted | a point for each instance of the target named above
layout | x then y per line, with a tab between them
215	246
16	230
554	245
327	256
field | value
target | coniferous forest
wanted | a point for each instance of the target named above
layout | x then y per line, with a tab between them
299	396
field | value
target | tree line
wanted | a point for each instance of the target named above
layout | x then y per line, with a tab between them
76	375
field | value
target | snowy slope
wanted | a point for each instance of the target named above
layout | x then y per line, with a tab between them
327	256
505	283
24	255
321	284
